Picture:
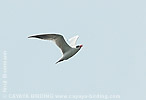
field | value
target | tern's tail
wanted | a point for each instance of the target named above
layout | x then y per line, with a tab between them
59	61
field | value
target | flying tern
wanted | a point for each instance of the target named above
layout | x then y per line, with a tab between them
68	50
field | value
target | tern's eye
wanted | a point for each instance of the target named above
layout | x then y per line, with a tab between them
77	46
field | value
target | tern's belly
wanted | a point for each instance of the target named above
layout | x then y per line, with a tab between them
70	53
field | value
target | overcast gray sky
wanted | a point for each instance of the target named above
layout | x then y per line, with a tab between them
113	58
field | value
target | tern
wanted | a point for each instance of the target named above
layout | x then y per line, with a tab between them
68	50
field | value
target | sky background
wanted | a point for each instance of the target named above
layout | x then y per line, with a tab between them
112	60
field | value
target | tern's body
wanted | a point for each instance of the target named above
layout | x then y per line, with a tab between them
70	53
67	50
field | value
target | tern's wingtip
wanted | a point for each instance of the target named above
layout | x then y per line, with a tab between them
29	37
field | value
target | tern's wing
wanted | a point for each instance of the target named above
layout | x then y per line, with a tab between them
73	40
58	39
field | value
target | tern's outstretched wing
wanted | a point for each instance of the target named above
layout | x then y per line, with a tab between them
73	40
57	38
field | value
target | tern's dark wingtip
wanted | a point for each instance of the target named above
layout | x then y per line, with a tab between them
30	37
56	63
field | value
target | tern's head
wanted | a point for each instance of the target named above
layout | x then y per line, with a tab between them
79	46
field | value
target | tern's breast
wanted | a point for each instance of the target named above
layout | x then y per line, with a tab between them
70	53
